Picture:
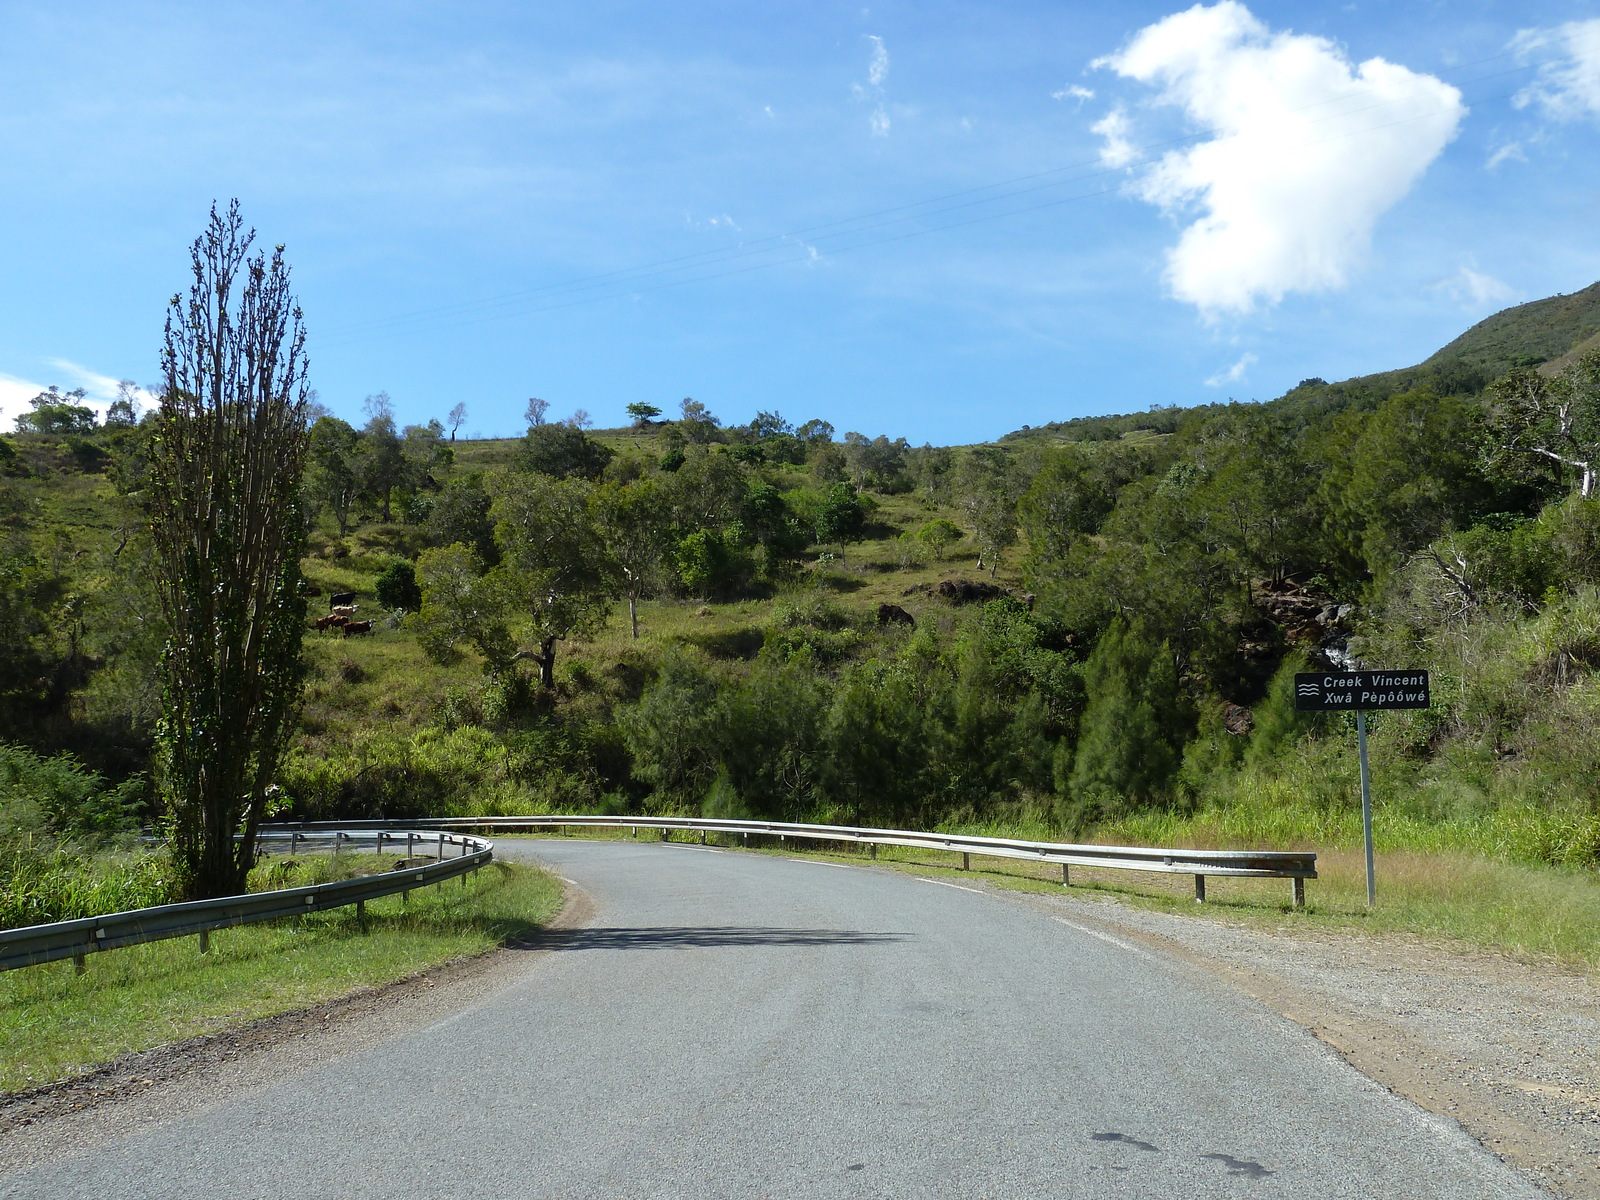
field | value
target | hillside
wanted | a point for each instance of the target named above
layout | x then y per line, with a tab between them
1528	335
1547	334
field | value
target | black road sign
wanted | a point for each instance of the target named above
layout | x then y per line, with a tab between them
1325	691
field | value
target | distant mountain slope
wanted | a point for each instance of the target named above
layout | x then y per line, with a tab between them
1547	334
1529	334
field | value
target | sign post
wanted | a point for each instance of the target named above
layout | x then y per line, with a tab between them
1340	691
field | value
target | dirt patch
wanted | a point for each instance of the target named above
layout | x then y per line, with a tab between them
137	1090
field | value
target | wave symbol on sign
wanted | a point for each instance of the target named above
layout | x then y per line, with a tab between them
1307	689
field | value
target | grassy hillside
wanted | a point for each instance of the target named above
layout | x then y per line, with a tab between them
1158	579
1548	334
1528	334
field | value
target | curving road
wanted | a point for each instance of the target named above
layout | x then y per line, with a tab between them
734	1025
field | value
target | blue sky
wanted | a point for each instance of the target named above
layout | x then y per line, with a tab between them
600	203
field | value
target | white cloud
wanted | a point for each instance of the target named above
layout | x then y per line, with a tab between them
1507	152
877	72
1118	151
1568	84
878	68
1304	152
99	391
1475	290
1075	92
14	396
1234	373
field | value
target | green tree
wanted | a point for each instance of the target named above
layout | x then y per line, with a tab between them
333	475
1552	422
1135	722
938	535
633	522
986	485
1414	473
563	452
58	412
226	459
838	514
380	459
643	413
1068	499
396	588
555	559
462	605
460	513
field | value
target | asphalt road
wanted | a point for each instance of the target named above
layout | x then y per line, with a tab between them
736	1025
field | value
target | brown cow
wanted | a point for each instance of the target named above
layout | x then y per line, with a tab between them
330	622
357	628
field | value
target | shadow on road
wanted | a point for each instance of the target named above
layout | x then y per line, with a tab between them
697	935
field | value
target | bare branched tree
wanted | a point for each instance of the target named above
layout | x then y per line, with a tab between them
226	461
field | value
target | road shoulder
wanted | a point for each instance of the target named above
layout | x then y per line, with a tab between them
172	1081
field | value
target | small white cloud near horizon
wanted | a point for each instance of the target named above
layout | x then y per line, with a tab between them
1234	373
1473	289
1568	84
16	393
1304	152
1075	92
1117	151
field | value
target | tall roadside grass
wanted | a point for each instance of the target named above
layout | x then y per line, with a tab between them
42	881
55	1023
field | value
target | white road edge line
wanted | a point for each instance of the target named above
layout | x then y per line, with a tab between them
701	849
817	862
960	887
1106	937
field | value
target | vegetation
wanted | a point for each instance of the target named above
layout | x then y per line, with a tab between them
1120	669
57	1023
226	452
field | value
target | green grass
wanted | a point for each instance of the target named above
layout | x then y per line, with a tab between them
55	1023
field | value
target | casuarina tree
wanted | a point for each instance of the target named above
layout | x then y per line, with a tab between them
227	455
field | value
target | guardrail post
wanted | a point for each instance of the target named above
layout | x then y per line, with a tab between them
1199	889
338	841
1064	880
874	849
361	914
965	862
294	842
1298	889
79	964
702	837
205	941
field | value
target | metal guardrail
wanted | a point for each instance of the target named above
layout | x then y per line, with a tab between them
1295	865
79	938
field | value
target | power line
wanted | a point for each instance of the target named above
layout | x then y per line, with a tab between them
778	247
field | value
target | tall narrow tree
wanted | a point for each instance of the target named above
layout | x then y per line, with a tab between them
226	461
